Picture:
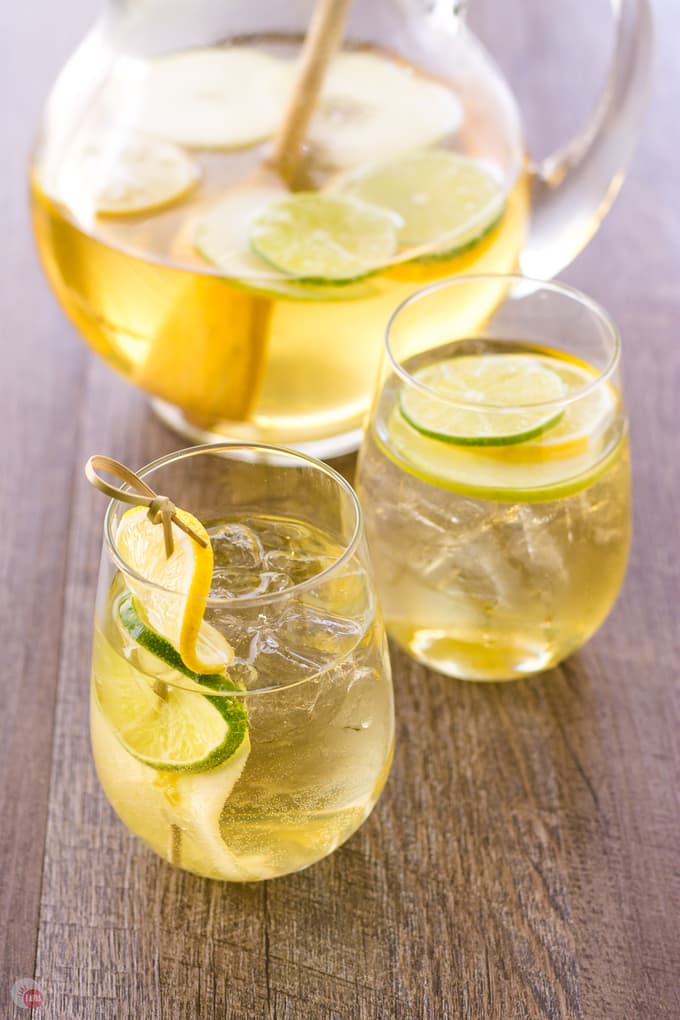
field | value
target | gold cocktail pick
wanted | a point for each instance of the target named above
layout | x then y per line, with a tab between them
161	509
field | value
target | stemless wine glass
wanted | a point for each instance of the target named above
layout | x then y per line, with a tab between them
495	476
265	768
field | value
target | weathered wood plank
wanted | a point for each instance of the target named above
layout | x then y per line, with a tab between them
40	383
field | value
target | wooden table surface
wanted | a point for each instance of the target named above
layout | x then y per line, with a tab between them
523	861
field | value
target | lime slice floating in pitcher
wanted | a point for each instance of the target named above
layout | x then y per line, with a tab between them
325	238
440	196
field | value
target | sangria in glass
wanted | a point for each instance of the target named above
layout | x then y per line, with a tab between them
495	477
241	706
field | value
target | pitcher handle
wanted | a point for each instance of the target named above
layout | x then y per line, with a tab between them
573	188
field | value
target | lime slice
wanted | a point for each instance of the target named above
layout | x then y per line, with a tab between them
181	730
216	98
373	108
488	472
211	645
320	237
139	175
441	197
174	601
445	409
222	237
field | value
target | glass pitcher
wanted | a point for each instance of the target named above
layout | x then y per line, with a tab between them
252	305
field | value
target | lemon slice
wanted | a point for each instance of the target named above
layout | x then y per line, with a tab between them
583	420
215	98
373	108
441	197
501	384
321	237
174	600
137	175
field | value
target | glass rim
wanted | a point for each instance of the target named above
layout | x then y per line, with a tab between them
594	307
277	451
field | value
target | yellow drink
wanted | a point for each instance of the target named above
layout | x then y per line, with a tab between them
319	738
495	562
254	357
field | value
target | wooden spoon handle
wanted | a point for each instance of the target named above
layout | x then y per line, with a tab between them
323	38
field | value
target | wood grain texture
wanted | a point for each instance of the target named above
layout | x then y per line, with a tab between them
523	861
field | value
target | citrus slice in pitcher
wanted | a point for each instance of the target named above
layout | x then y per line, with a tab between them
323	237
442	198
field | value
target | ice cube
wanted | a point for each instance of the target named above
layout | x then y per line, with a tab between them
236	546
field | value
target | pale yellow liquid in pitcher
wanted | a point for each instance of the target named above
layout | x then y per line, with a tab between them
238	356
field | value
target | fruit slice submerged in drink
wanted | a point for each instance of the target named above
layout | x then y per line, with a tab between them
220	98
446	202
373	108
126	178
564	449
186	736
480	399
331	238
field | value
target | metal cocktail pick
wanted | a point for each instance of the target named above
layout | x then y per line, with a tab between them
161	509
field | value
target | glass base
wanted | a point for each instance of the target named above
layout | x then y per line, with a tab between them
466	660
324	448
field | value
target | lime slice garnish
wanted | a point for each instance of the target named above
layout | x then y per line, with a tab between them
211	645
495	382
174	602
373	108
321	237
215	98
487	472
181	731
139	175
442	198
559	462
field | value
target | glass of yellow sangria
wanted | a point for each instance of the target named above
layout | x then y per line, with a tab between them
241	704
252	307
494	477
